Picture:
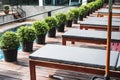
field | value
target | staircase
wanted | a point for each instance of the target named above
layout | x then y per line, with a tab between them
20	13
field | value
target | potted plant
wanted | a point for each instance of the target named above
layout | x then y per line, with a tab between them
69	17
61	18
26	36
9	44
52	23
81	13
76	14
6	9
41	28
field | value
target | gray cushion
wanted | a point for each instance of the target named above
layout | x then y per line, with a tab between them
99	23
91	34
101	19
74	56
104	10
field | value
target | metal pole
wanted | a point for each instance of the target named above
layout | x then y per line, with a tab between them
107	77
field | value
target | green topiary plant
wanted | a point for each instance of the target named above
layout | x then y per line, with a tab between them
61	18
75	11
9	43
69	15
41	28
26	36
26	33
51	21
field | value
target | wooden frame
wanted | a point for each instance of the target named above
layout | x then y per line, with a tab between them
86	27
73	39
84	69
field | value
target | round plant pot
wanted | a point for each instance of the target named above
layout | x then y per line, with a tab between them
61	28
75	21
81	18
10	55
69	23
6	11
52	32
27	46
41	39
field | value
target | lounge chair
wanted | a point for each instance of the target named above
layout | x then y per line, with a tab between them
73	58
101	19
101	25
114	7
89	36
104	12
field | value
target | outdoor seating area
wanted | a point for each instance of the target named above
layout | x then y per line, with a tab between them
62	57
82	43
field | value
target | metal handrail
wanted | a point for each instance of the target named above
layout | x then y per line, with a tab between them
49	14
33	15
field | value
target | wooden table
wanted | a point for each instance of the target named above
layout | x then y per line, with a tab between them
104	12
114	7
72	58
102	25
89	36
101	19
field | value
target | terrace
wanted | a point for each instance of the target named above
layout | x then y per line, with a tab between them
20	70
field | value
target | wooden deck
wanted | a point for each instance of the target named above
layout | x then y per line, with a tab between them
20	70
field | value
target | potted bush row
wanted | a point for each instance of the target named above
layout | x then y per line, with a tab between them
69	18
26	36
41	28
52	24
9	44
61	18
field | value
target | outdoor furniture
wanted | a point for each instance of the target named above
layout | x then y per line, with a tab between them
101	25
101	19
118	64
72	58
104	12
89	36
114	7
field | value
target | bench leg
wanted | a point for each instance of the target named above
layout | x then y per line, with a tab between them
73	42
63	41
32	70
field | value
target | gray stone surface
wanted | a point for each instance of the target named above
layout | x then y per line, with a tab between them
91	34
74	56
105	10
99	23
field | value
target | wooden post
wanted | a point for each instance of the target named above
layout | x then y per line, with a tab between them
107	77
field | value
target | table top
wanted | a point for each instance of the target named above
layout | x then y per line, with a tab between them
101	19
99	23
105	10
74	56
91	34
114	6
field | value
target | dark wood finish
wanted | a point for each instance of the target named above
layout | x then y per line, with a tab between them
73	39
97	71
86	27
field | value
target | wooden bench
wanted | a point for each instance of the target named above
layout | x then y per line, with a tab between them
104	12
100	25
101	19
114	7
73	58
89	36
